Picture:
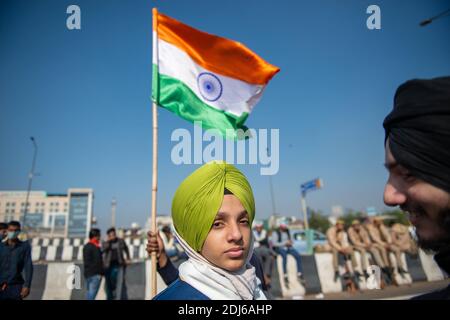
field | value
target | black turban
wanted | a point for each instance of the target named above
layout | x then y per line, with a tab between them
418	129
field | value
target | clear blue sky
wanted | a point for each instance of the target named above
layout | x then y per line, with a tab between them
84	95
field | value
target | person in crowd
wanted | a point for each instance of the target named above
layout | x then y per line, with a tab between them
387	270
16	266
171	245
340	245
116	257
263	251
360	239
169	241
93	264
281	242
381	235
403	240
3	231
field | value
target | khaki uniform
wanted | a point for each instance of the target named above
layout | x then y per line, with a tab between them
402	239
339	241
382	237
361	242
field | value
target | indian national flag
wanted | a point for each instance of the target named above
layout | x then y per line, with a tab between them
203	77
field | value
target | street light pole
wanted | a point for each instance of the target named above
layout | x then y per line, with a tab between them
274	210
30	180
305	210
305	187
429	20
308	232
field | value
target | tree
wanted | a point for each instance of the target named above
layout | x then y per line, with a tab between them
398	216
352	215
318	221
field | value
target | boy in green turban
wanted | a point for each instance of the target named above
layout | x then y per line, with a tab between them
212	213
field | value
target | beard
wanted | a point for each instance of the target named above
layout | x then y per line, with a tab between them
435	245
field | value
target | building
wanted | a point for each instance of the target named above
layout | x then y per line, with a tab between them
49	214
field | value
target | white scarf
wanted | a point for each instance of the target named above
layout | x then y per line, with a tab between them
217	283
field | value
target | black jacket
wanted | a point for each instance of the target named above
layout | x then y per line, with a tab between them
442	258
121	250
15	260
93	262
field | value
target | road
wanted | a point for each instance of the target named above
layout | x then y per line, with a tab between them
389	293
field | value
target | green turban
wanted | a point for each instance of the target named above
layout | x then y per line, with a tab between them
199	198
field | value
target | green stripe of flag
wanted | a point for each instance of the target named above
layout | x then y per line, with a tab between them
175	96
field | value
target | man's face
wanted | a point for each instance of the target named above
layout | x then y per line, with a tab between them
3	233
259	228
426	204
356	227
339	226
228	242
13	232
112	235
